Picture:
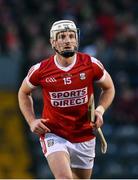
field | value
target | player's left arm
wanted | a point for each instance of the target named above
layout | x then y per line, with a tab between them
106	97
107	92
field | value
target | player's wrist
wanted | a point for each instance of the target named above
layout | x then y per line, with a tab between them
31	121
100	109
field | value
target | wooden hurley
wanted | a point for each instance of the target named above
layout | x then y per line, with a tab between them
99	132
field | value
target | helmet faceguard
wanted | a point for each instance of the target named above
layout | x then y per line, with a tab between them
63	26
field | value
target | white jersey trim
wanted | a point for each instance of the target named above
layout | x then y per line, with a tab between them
35	67
62	67
102	78
96	61
29	84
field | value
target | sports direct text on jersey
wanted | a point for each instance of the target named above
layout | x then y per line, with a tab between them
69	98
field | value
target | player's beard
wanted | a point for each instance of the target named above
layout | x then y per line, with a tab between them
67	53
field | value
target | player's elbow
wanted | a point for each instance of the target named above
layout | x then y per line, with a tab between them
20	95
112	92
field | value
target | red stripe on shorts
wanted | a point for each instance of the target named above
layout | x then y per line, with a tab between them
43	144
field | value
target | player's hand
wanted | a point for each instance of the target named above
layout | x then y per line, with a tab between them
98	119
38	127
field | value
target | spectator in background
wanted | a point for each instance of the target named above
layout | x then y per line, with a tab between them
108	31
125	107
117	48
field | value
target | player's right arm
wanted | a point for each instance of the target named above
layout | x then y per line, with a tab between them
26	106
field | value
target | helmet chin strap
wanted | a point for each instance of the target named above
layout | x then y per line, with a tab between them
67	53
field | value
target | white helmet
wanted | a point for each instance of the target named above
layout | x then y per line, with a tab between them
62	25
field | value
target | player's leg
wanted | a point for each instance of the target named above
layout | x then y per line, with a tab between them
59	164
81	173
82	159
55	150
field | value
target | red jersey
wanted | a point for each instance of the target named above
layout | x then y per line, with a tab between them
66	93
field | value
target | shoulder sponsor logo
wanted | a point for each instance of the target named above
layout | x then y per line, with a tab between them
50	79
69	98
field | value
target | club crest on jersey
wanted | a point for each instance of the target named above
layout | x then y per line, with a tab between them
82	76
50	142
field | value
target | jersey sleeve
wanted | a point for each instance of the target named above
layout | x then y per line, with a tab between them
98	70
32	77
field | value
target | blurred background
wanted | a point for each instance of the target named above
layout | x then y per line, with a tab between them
109	32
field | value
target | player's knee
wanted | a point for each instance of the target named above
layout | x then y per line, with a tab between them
62	175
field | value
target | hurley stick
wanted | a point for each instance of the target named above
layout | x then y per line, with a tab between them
99	131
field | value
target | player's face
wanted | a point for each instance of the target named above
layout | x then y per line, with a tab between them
66	40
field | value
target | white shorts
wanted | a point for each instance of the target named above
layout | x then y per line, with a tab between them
81	154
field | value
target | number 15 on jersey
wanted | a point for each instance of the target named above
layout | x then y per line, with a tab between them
67	80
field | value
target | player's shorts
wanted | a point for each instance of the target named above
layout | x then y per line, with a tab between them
81	154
